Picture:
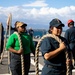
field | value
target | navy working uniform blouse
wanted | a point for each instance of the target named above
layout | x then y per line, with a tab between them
58	62
70	37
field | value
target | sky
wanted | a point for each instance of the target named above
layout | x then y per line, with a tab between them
37	13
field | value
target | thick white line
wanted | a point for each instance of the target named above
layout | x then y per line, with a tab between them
40	66
73	70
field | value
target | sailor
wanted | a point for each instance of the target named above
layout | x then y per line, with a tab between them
14	47
30	32
53	52
70	37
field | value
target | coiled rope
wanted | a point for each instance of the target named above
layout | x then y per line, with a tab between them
3	45
22	58
69	71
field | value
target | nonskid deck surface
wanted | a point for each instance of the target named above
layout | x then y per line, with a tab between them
4	67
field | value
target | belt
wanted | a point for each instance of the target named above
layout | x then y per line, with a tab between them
55	67
51	66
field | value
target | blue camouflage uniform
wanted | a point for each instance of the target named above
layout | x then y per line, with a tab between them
70	36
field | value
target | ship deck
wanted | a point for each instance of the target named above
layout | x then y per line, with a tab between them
4	67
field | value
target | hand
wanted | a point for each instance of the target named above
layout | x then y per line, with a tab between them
69	61
62	46
20	51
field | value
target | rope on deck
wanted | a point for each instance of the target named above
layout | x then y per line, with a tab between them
69	71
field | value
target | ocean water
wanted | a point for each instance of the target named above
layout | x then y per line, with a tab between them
40	33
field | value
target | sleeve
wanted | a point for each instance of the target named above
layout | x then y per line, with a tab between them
67	35
10	42
45	46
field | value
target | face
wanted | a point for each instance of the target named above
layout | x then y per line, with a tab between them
57	30
22	28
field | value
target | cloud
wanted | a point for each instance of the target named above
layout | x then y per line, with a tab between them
38	3
37	17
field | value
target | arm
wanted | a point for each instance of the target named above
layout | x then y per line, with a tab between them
67	35
15	51
10	45
55	52
48	51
